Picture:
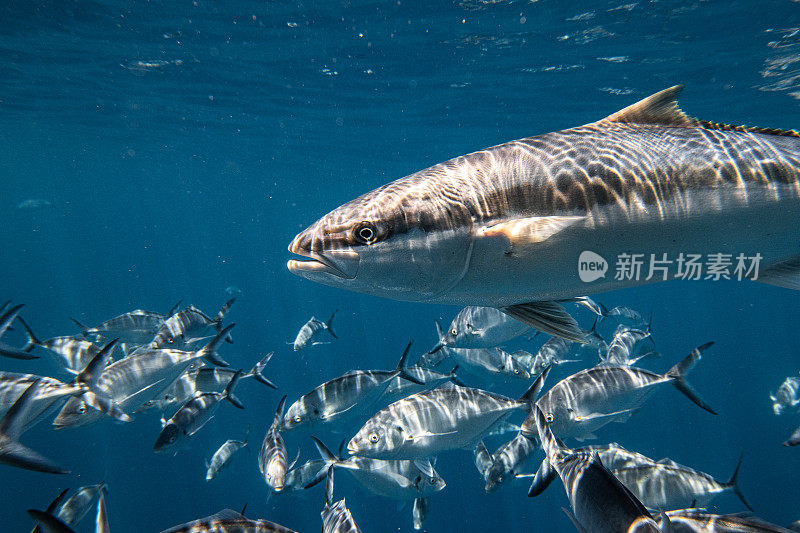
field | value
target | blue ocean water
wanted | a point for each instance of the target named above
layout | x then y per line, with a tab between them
171	150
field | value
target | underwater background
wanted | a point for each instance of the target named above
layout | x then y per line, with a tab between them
158	151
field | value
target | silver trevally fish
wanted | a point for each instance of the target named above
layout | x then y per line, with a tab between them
669	485
223	456
510	460
272	462
493	364
195	414
612	456
398	479
505	227
311	332
429	422
581	403
480	327
787	396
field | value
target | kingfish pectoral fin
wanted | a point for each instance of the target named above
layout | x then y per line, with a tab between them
548	317
530	230
785	274
574	521
50	523
681	369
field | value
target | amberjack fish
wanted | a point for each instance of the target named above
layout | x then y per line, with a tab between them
512	226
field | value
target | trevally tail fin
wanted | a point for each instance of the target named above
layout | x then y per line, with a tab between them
681	369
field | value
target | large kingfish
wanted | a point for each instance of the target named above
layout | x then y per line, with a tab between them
505	226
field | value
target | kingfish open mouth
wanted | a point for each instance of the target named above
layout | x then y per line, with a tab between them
340	263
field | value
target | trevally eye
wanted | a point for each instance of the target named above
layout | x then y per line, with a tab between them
373	437
549	418
365	233
298	419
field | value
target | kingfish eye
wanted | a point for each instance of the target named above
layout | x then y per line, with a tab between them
172	439
373	437
549	417
365	232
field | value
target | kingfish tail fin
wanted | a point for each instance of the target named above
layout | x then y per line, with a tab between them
8	317
228	393
50	523
84	328
209	351
401	366
276	422
328	324
330	461
544	476
549	317
11	426
221	315
454	377
257	371
733	483
679	372
529	396
32	340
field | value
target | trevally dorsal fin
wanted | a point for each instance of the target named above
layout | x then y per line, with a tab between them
659	108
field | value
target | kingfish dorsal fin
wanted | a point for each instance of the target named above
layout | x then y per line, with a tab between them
659	108
520	231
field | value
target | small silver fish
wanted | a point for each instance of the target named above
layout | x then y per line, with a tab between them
228	521
195	414
311	332
223	456
787	396
272	462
